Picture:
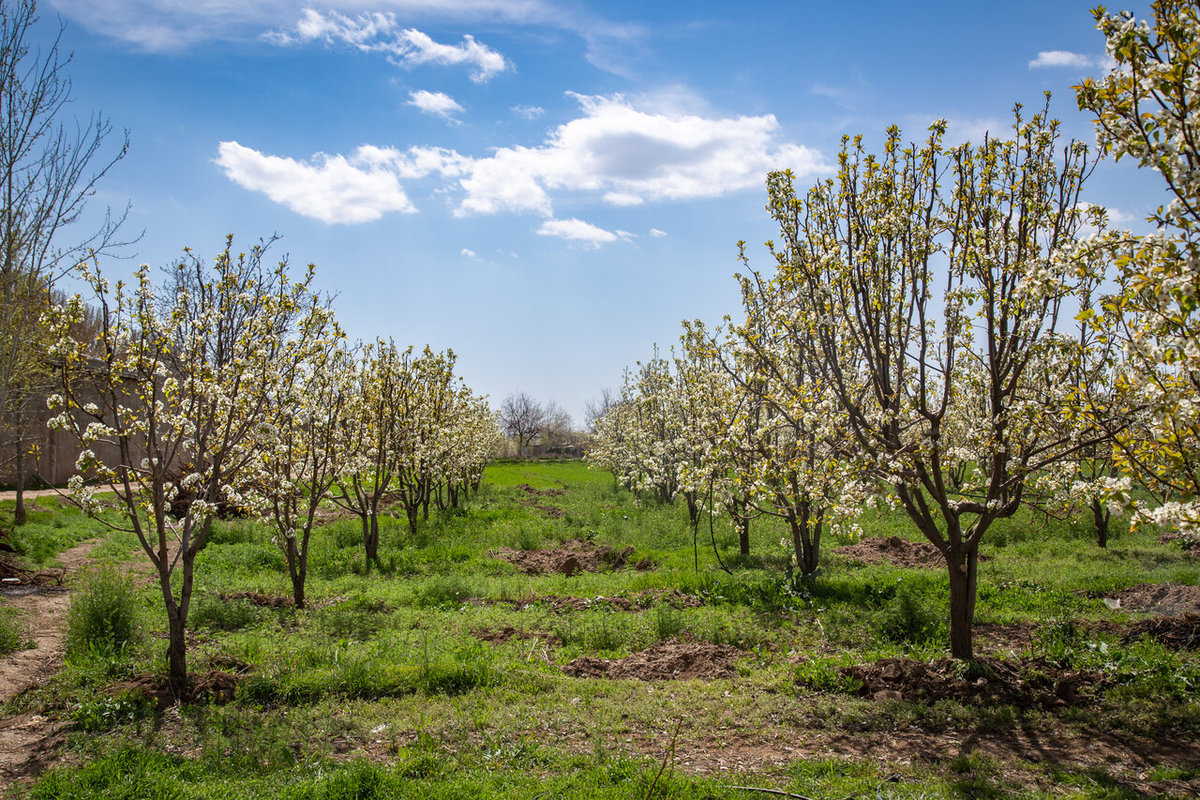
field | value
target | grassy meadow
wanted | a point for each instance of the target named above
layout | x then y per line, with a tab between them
442	674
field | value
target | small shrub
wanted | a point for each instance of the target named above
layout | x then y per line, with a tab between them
104	613
12	633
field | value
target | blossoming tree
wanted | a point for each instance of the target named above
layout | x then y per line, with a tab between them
935	277
180	395
1147	109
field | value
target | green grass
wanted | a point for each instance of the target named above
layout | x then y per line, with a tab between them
13	635
384	688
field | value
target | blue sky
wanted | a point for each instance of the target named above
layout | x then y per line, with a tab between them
546	187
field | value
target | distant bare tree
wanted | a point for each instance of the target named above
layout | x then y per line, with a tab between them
597	407
523	418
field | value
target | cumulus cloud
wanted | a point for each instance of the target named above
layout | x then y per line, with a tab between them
629	155
1065	58
617	152
656	232
468	253
379	32
576	230
333	189
439	104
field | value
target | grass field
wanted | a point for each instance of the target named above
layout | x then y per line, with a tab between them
442	676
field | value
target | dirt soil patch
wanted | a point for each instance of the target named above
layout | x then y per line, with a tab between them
669	660
499	635
215	686
1177	633
568	559
1164	599
29	741
895	551
527	489
1029	683
259	599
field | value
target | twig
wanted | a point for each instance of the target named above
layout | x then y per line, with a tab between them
669	753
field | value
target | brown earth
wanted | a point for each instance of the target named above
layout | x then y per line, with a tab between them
28	741
669	660
570	558
527	489
1165	599
214	686
259	599
895	551
497	635
1177	633
1029	683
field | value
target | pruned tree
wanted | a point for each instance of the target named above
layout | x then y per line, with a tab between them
50	166
303	438
922	268
364	481
182	396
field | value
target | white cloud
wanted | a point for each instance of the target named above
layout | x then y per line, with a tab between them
379	32
172	25
656	232
332	189
1065	58
576	230
468	253
528	112
437	103
629	156
614	152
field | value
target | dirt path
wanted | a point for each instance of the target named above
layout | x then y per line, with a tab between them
31	493
28	740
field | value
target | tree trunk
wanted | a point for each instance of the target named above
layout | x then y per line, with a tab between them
371	541
964	571
177	675
742	521
1100	517
296	570
19	516
808	550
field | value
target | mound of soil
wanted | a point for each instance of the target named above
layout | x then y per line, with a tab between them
215	686
527	489
895	551
1164	599
498	635
669	660
1030	683
568	559
1177	633
259	599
